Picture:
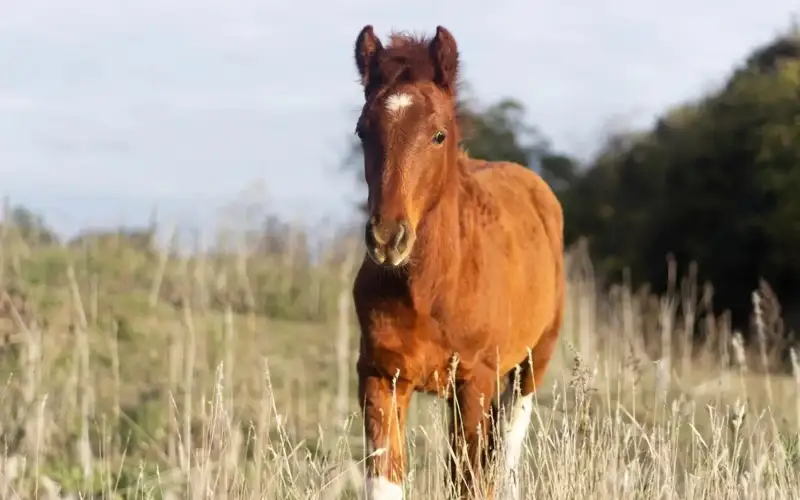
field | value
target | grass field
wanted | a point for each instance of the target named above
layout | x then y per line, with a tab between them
132	373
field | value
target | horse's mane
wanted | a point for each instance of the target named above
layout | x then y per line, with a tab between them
405	59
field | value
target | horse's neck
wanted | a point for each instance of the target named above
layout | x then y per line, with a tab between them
442	240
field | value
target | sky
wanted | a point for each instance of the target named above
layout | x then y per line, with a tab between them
108	108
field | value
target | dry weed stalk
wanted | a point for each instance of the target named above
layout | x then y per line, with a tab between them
344	368
4	230
161	266
582	383
689	303
761	335
189	352
796	375
85	395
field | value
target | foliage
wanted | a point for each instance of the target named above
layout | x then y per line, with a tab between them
31	226
713	183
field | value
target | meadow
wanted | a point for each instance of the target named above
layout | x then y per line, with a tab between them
134	371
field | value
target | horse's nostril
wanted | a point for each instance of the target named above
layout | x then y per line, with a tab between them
395	236
369	233
401	238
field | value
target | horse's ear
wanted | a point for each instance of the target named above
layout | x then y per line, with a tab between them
444	52
368	47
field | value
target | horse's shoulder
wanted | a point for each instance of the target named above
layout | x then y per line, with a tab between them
516	191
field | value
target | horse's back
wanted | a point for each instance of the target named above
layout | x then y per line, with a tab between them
522	194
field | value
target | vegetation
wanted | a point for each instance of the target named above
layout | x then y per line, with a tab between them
714	182
137	370
115	394
712	185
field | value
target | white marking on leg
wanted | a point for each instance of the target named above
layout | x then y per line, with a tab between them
396	103
380	488
517	420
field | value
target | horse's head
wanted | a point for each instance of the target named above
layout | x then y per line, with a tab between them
409	134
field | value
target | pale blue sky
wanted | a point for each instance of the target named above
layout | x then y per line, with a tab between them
107	106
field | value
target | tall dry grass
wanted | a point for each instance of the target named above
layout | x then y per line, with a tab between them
133	372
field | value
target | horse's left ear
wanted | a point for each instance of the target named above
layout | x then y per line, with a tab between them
444	53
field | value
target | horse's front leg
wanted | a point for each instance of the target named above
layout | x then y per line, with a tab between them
384	403
472	437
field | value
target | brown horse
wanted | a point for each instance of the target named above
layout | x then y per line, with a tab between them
464	276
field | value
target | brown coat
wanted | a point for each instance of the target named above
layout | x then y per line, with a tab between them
464	261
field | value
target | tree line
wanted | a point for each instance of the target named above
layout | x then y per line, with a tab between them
713	185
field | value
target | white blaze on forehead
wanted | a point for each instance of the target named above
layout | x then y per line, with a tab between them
396	103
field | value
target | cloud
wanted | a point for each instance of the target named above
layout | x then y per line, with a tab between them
194	99
16	103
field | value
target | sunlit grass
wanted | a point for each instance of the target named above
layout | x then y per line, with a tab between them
117	388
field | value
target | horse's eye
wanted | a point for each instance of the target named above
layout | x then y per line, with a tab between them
439	137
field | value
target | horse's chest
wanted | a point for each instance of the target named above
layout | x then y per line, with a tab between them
412	350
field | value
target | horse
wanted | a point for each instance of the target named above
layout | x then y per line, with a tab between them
462	277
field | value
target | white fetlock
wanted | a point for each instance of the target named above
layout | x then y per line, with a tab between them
380	488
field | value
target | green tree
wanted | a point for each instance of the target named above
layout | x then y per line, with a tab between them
715	181
31	226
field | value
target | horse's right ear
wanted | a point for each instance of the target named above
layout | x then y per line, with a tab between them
444	53
368	47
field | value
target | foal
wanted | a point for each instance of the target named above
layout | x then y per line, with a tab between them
464	276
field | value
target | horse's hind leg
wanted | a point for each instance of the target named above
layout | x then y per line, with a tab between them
471	439
516	411
517	407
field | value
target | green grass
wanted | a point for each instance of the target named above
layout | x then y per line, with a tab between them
214	390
